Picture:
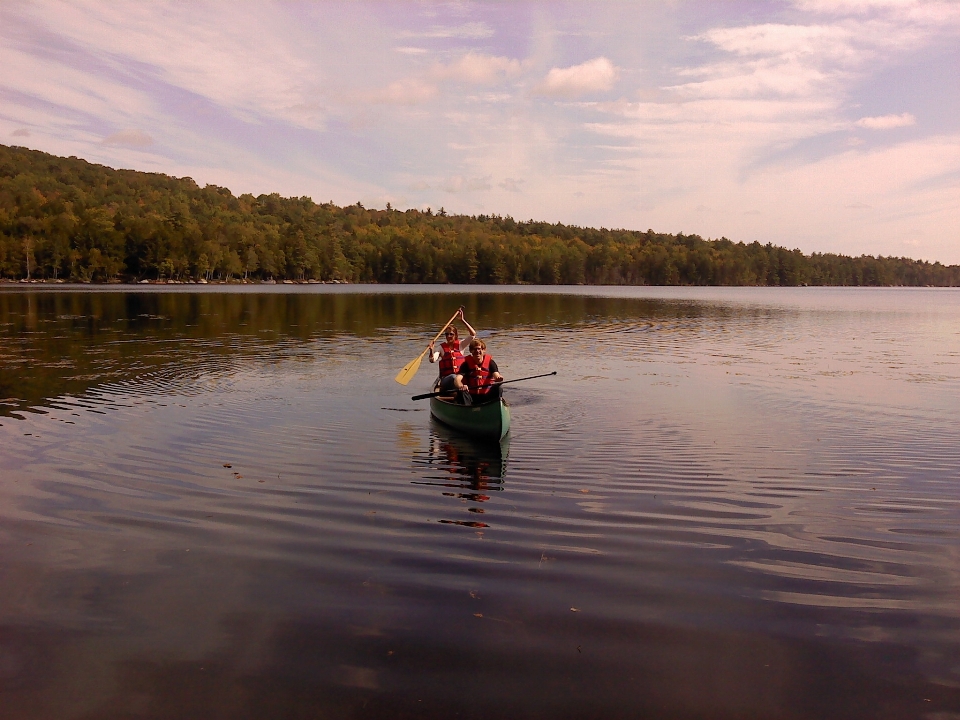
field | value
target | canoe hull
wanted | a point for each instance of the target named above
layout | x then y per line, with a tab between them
490	420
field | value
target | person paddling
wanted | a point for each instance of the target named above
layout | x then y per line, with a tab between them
450	356
481	374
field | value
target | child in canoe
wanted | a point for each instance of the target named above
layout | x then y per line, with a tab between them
450	356
479	374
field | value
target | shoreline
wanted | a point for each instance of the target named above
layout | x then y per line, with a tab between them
40	284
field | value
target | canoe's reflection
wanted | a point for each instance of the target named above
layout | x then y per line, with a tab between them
468	469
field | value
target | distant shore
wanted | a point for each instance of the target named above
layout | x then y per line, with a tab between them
232	281
8	284
67	219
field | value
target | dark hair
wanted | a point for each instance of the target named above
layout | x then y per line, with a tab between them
477	343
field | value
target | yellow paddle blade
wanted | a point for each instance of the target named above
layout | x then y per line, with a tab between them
410	369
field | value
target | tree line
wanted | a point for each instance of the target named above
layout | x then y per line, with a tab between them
65	218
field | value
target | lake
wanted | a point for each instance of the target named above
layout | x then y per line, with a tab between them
729	503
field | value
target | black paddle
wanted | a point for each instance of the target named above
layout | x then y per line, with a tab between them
447	392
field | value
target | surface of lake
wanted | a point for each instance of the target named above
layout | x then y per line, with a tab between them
729	503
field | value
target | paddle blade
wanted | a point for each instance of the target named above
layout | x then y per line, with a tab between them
410	369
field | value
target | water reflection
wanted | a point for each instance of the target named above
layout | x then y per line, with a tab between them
216	503
470	468
55	344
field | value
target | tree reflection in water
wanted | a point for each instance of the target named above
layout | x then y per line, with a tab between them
470	468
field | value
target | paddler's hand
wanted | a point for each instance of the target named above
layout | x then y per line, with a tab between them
497	377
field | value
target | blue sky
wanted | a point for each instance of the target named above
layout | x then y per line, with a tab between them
831	126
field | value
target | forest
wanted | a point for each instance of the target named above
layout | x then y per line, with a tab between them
70	220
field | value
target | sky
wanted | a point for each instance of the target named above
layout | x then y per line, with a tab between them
824	125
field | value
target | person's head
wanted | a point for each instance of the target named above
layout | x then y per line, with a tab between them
451	335
477	348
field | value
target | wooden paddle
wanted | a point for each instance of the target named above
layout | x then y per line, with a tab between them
410	369
505	382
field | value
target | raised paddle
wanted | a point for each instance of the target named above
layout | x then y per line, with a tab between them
505	382
410	369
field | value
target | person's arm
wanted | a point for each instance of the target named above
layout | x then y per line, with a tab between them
434	356
495	371
473	333
463	375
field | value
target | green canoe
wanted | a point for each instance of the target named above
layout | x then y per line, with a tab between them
488	420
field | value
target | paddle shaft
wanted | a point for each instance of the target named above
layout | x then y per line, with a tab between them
410	369
505	382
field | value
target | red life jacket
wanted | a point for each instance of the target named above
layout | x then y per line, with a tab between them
480	380
450	358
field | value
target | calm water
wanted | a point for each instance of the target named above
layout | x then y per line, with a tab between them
728	504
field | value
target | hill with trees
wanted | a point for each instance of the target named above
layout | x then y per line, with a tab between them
66	218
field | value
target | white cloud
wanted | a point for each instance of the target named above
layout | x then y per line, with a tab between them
511	184
912	8
782	40
467	31
817	58
761	122
409	91
597	75
887	122
252	65
478	69
849	6
129	138
71	89
754	78
472	68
